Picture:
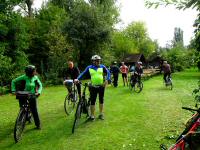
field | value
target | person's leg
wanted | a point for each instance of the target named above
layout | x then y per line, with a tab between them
126	79
123	79
115	80
33	107
101	102
164	77
93	96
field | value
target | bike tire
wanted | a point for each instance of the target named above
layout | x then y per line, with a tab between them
130	85
171	86
20	124
77	116
69	104
138	87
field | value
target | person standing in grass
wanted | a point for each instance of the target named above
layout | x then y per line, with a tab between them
124	70
31	83
115	71
96	71
72	72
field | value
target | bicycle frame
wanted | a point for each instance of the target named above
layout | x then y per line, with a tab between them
183	140
23	114
82	107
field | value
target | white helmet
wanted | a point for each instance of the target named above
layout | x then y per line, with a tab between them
95	57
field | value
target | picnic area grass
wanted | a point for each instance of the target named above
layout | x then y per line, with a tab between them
133	121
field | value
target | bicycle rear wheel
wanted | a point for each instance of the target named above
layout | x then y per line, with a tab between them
69	104
19	124
77	116
138	87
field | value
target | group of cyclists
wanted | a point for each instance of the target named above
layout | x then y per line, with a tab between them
99	76
135	70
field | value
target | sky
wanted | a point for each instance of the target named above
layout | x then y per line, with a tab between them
160	22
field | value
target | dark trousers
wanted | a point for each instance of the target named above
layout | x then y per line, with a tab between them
166	75
115	81
33	108
78	89
93	94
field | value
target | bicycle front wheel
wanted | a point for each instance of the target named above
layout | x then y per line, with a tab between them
138	87
19	124
77	116
69	104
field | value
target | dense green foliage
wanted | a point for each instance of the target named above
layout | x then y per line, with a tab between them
75	30
131	119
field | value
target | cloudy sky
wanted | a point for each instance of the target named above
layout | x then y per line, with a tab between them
160	22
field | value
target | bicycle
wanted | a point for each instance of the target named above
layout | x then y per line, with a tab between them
23	115
83	106
189	139
71	98
135	83
168	82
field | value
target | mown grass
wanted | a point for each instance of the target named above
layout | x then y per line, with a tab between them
132	121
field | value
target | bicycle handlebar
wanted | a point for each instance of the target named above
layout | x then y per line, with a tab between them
191	109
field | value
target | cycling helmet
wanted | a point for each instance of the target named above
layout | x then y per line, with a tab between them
139	62
95	57
29	70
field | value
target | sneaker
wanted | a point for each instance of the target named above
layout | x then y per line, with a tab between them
91	119
101	116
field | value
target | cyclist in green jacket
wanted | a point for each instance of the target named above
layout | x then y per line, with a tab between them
31	83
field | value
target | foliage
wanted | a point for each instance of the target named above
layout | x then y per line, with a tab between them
14	42
179	57
196	92
122	45
89	27
137	31
44	29
178	36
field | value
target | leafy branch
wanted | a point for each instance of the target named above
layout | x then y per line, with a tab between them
196	92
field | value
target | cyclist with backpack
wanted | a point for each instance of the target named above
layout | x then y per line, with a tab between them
96	72
166	70
31	83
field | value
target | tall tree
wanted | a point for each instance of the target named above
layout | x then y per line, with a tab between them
183	4
178	37
90	26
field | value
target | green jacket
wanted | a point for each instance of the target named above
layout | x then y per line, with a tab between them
30	84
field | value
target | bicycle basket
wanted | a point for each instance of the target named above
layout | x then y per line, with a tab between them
22	94
68	83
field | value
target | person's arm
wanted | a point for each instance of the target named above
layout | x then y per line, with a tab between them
120	69
13	83
40	86
105	70
86	71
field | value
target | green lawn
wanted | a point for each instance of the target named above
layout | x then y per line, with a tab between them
132	121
